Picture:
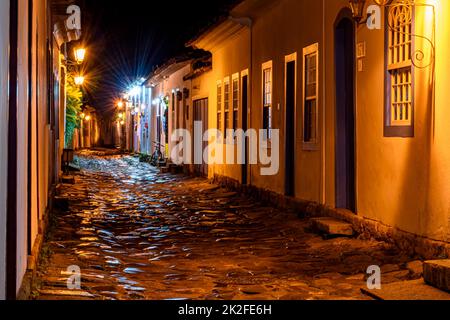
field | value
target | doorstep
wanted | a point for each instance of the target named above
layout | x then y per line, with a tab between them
332	227
437	274
416	290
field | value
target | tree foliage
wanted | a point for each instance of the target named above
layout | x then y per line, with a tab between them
74	102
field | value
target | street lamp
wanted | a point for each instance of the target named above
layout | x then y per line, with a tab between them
88	118
79	80
358	7
80	54
120	104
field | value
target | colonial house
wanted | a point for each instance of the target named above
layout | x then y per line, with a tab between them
32	128
350	94
178	98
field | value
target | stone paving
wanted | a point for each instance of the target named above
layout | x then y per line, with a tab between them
138	234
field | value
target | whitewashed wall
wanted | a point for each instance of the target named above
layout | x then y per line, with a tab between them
4	42
22	142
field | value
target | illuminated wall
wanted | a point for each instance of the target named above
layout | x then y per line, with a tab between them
403	182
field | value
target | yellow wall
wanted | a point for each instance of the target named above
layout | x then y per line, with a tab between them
231	57
287	27
401	180
436	224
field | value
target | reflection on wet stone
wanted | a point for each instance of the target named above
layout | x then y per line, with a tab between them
140	234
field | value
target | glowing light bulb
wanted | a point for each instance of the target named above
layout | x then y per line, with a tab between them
79	80
80	54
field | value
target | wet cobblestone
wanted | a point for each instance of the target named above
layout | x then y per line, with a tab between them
139	234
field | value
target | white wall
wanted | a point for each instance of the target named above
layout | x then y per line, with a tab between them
22	142
4	42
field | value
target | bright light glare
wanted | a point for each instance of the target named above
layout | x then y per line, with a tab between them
134	91
79	80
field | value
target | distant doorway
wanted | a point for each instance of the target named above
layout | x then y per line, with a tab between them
345	114
290	129
201	115
245	127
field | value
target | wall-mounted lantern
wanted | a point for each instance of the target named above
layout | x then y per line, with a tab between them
80	54
359	6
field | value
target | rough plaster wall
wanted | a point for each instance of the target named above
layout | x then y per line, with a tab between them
4	42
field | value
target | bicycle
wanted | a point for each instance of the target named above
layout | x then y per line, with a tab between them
157	157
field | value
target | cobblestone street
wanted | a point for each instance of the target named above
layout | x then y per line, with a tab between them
138	234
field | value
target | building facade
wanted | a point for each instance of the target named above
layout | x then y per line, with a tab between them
32	129
355	109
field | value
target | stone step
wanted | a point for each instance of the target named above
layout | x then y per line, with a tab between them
164	169
416	290
175	169
66	293
68	179
332	227
437	274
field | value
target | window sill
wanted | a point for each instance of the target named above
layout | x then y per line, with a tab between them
399	131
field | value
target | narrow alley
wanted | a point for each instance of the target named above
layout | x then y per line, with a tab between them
138	234
226	150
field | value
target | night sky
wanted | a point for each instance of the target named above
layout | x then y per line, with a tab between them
126	39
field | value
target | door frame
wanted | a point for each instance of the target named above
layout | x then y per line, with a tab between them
245	114
11	201
203	169
351	200
289	59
